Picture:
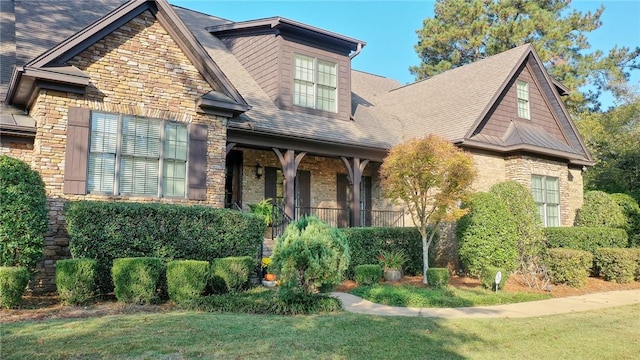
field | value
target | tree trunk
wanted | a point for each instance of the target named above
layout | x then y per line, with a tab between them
425	257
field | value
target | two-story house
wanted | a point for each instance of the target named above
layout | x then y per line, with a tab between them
144	101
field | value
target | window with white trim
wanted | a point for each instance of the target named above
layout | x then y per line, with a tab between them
314	83
523	99
546	193
137	156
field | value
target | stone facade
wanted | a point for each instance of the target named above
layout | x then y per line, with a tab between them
136	70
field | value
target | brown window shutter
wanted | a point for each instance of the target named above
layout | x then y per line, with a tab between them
270	183
197	162
77	152
342	185
303	182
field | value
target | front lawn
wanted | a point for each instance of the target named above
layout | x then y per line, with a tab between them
415	296
604	334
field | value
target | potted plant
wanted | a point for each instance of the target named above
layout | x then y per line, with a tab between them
269	278
391	262
265	209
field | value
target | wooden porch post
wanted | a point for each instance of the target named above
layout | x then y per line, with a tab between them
289	162
355	167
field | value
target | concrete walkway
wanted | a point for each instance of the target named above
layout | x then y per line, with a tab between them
562	305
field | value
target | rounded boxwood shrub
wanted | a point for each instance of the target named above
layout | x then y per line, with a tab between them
13	283
75	280
600	210
310	256
617	265
367	274
487	235
438	277
568	266
136	279
23	214
232	271
187	279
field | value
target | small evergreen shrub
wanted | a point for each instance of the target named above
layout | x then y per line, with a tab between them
109	230
600	210
136	279
617	265
75	280
365	245
487	235
187	279
233	271
569	266
438	277
631	210
23	214
584	238
636	256
13	284
488	278
308	257
367	274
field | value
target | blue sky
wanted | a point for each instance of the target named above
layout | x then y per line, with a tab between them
389	27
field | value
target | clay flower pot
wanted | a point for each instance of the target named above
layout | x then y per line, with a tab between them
270	277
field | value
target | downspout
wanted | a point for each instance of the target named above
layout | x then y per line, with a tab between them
358	49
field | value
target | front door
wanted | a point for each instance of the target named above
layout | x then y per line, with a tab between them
233	180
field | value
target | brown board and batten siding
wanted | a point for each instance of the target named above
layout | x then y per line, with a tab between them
506	109
285	100
259	56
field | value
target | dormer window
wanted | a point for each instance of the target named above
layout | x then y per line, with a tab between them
523	99
315	83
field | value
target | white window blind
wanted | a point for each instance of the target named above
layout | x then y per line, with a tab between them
546	193
102	153
315	83
523	99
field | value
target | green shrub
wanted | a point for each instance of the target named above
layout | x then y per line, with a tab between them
23	214
233	271
636	256
438	277
187	279
631	210
520	202
568	266
365	245
487	235
584	238
75	280
309	256
108	230
13	283
617	265
600	210
488	278
367	274
136	279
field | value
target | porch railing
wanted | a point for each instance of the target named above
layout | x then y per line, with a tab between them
382	218
342	217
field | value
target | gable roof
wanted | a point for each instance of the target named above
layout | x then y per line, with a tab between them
51	64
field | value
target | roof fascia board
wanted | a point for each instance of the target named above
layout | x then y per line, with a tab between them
53	75
574	158
497	94
329	149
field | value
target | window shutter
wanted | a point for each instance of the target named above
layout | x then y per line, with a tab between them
197	162
342	185
270	183
77	151
304	191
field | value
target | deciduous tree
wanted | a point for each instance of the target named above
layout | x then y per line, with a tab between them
430	176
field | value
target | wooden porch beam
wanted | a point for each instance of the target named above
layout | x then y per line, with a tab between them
230	146
289	161
355	168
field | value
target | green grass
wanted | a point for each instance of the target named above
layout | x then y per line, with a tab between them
412	296
604	334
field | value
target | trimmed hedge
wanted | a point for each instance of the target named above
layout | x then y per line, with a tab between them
367	274
438	277
585	238
488	278
136	279
365	245
568	266
75	280
636	254
487	235
13	284
617	265
187	279
233	271
109	230
631	210
23	214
